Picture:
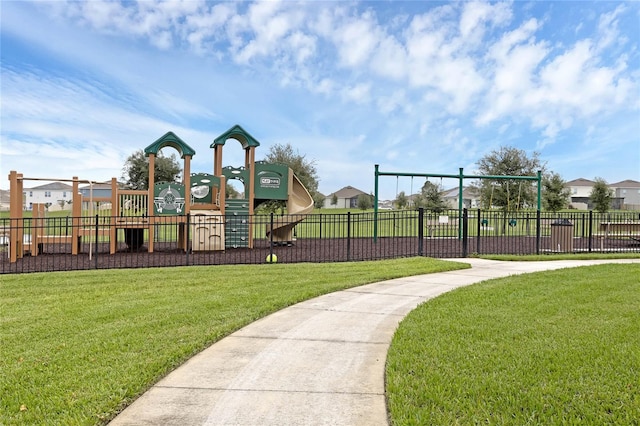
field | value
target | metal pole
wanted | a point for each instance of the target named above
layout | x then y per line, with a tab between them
460	182
271	236
188	237
348	236
538	231
420	231
96	239
465	234
539	190
375	206
479	230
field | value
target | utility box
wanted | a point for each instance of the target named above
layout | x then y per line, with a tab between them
562	236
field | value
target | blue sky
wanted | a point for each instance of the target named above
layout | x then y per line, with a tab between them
416	87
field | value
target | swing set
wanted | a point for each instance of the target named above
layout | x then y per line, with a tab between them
461	177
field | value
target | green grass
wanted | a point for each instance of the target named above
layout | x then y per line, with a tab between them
558	347
565	256
76	347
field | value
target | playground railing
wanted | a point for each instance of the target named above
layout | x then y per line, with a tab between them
46	244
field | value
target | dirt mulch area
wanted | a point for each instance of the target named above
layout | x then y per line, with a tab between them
57	257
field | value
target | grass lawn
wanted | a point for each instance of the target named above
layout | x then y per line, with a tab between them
557	347
565	256
77	347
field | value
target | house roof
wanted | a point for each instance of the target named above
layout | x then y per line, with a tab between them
98	185
580	182
626	184
54	186
467	192
347	192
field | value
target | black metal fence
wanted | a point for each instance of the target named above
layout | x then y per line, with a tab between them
103	242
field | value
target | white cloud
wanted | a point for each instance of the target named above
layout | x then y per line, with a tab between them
356	40
552	88
476	15
359	93
516	57
608	28
270	25
396	101
390	59
342	68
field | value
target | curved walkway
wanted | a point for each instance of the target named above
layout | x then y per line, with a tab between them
320	362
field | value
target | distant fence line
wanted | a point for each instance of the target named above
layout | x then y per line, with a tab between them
315	238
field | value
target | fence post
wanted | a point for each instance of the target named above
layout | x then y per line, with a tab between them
538	233
590	229
270	235
348	236
393	224
420	231
465	232
95	248
186	242
479	230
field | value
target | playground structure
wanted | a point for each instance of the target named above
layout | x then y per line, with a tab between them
196	207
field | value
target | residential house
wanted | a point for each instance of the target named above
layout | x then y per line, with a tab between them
580	191
347	198
629	191
55	195
581	188
96	190
470	198
4	200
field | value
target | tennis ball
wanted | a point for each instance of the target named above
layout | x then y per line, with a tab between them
272	258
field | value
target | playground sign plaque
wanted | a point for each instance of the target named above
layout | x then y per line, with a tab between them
270	182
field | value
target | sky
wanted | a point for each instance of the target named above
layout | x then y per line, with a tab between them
419	87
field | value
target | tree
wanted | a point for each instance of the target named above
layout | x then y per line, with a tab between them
365	201
431	197
601	195
318	200
334	200
508	194
304	169
555	194
401	200
135	171
230	192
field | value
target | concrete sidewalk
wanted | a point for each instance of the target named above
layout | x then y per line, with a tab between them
320	362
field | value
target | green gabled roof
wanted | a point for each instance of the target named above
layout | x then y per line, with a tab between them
239	134
170	139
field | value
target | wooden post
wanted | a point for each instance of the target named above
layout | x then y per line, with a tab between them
115	212
186	181
150	215
250	165
37	228
16	221
222	193
76	218
217	160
